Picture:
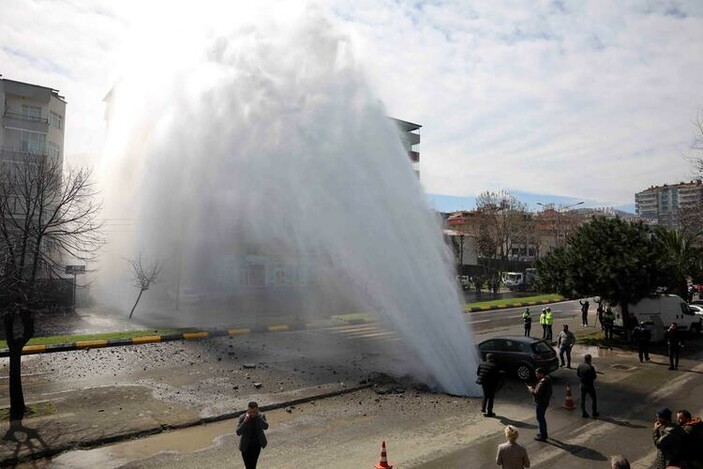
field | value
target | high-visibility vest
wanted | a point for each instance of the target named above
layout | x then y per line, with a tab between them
543	318
549	318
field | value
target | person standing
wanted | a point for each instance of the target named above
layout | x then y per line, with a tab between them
489	379
675	344
252	438
587	375
608	323
692	452
668	439
549	320
642	336
599	315
543	323
511	455
527	321
584	313
541	393
565	342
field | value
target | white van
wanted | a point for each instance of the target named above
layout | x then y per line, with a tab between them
661	311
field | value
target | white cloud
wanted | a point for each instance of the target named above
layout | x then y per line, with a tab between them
591	100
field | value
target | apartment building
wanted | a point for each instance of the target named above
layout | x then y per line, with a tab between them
662	204
410	137
32	121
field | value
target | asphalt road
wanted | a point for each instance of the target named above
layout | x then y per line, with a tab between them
423	430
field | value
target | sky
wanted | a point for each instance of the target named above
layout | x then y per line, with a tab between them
554	101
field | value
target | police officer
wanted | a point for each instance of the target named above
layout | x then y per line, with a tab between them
527	321
543	322
642	336
549	320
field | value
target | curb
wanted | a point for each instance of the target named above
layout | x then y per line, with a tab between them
150	339
49	452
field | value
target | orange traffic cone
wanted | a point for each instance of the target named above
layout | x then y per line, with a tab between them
383	463
569	402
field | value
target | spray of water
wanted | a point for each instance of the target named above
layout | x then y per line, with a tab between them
261	158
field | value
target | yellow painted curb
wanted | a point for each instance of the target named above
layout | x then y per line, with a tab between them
195	335
28	349
146	339
91	343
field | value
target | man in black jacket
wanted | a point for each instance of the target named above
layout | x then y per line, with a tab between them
489	379
541	393
587	374
675	344
252	438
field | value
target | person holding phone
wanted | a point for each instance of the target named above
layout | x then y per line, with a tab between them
251	432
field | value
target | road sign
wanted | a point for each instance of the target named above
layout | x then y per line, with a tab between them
75	269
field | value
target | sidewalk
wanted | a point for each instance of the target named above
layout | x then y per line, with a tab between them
98	416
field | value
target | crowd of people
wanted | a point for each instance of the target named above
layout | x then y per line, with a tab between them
679	443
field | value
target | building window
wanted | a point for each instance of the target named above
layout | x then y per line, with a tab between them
53	150
31	112
32	142
280	277
56	120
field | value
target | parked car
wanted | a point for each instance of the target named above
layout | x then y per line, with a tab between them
669	308
520	355
696	308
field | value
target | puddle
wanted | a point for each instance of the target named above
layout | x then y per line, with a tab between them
182	441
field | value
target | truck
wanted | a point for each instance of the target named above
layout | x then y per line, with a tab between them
521	281
658	312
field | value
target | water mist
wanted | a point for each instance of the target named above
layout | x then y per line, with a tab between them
265	147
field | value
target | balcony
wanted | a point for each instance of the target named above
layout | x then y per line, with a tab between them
20	121
414	156
15	155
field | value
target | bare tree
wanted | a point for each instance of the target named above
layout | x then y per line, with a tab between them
47	216
504	220
690	215
144	274
695	153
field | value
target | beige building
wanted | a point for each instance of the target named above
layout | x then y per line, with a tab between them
32	121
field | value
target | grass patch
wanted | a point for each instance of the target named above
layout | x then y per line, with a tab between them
527	299
62	339
38	409
592	338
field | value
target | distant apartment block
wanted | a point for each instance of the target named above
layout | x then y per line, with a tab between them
410	137
32	121
662	204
